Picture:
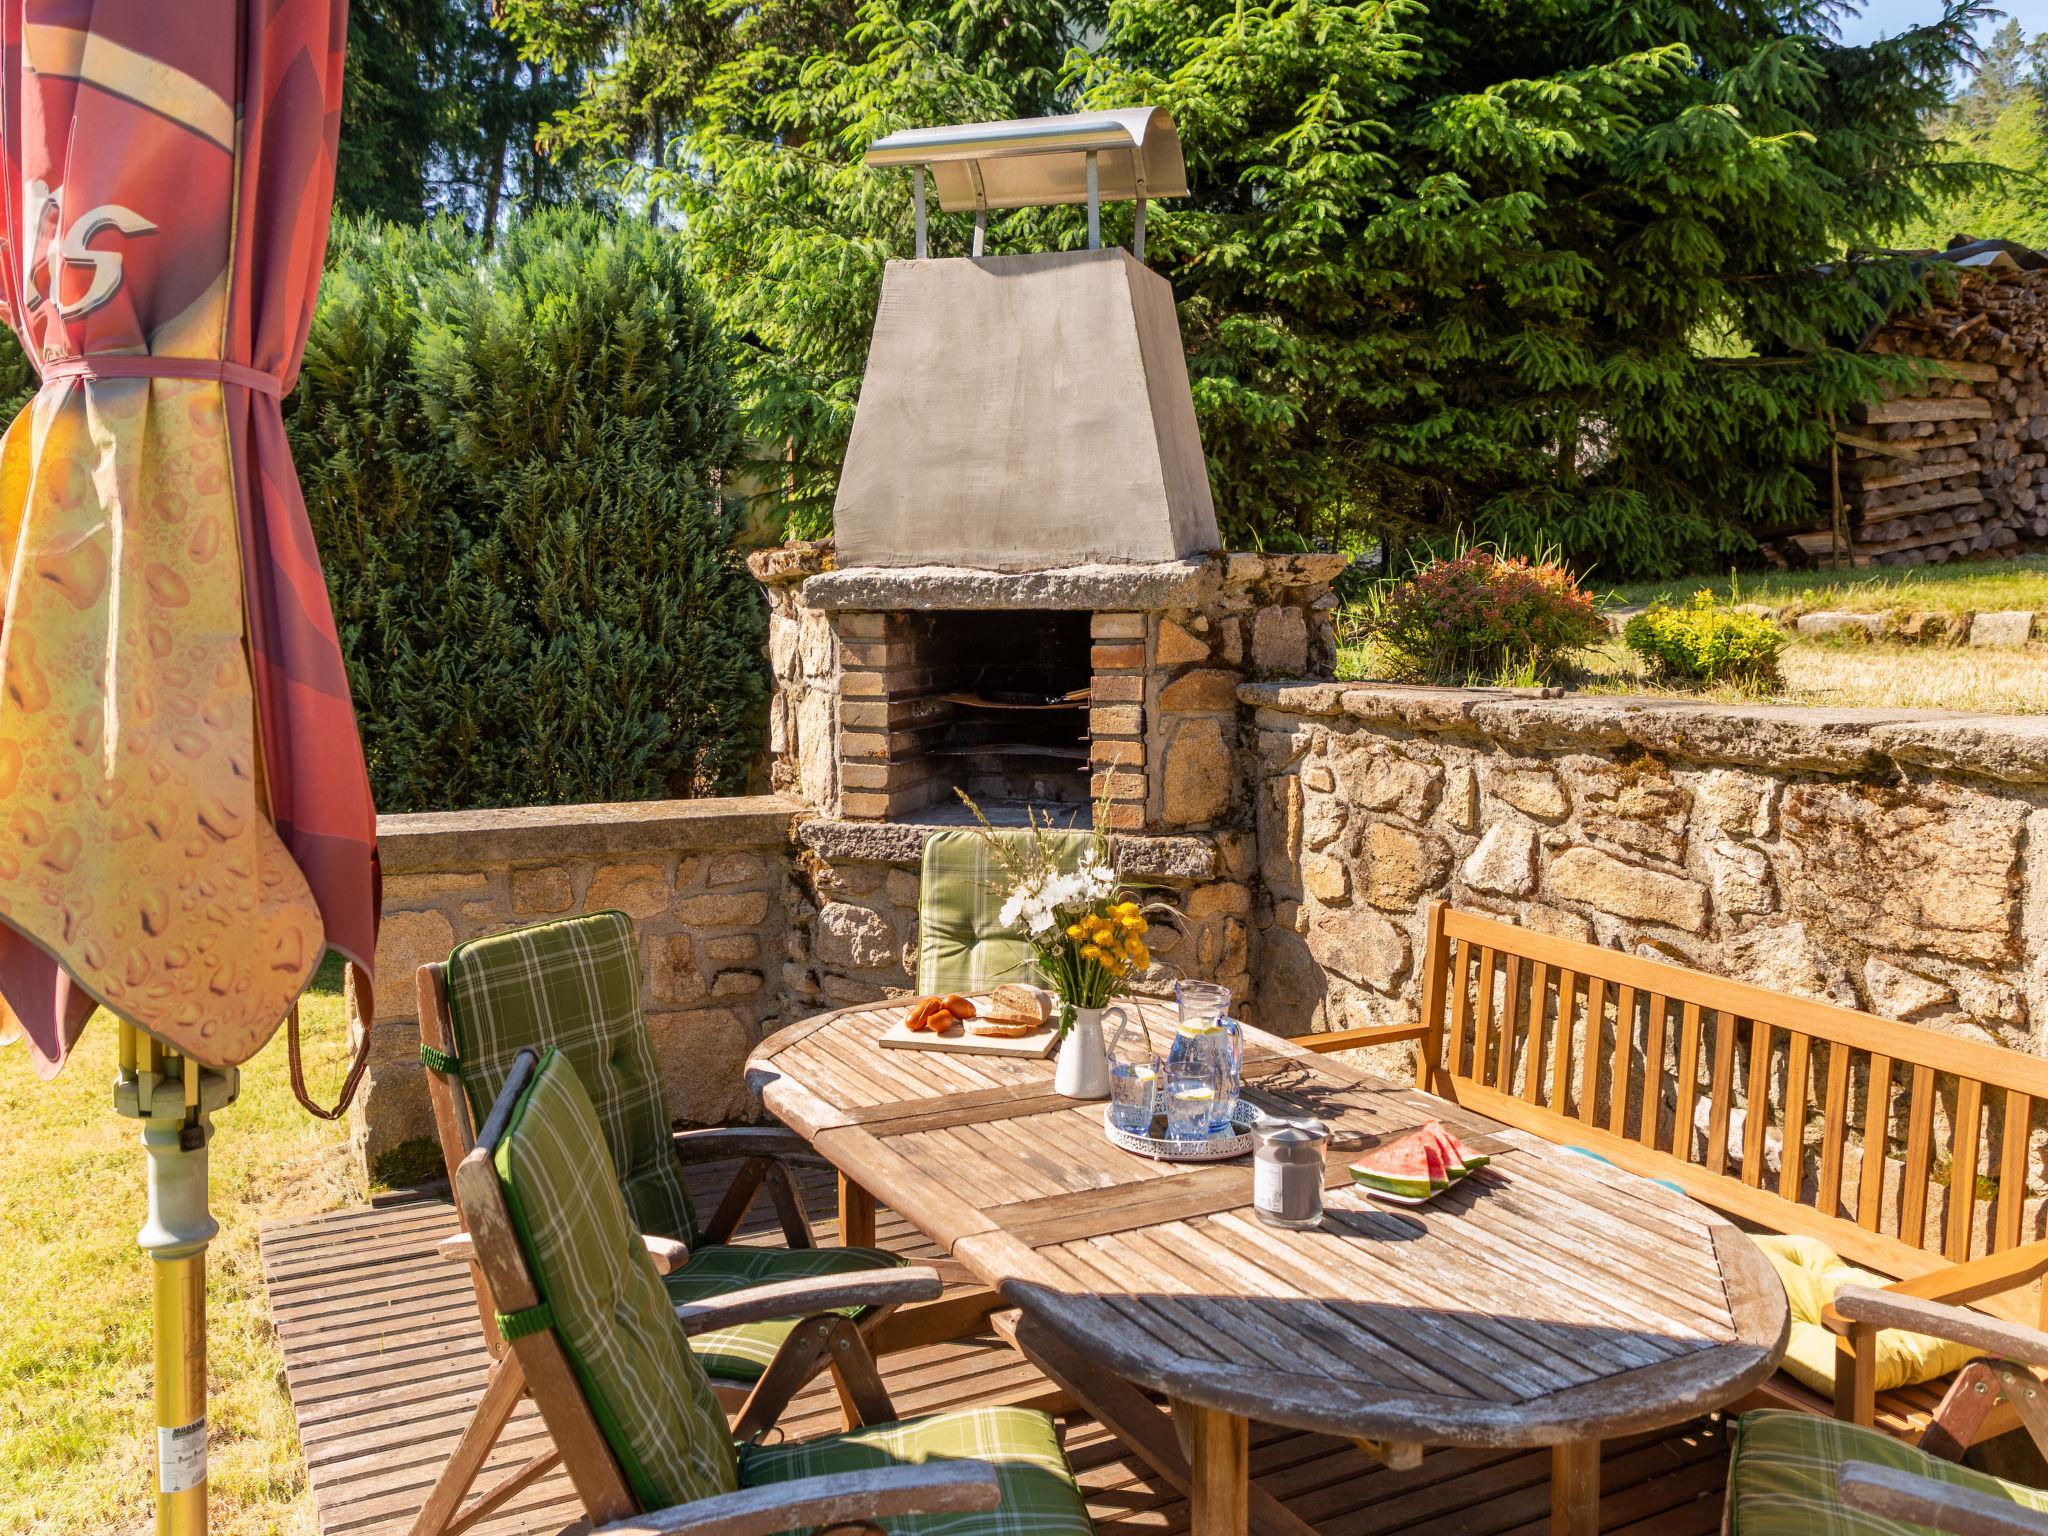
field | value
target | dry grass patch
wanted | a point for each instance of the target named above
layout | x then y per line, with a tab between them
77	1450
1878	676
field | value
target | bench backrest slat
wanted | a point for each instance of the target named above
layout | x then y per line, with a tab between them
1712	1082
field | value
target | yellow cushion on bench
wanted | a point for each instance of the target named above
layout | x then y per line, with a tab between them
1813	1272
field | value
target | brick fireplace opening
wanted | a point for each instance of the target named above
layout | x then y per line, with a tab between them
1020	707
993	703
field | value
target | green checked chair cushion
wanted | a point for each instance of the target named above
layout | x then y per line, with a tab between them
1781	1476
1039	1494
742	1354
962	945
574	986
604	1299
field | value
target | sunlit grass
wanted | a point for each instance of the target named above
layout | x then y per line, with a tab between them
1964	586
76	1439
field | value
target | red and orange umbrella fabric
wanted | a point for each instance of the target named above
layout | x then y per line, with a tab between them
185	819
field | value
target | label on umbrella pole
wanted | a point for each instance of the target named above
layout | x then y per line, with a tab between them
181	1457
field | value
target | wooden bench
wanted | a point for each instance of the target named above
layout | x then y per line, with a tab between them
1522	1027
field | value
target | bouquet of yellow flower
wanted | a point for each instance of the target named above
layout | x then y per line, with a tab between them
1087	934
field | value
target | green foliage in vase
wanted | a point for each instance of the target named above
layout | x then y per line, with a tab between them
510	460
1447	268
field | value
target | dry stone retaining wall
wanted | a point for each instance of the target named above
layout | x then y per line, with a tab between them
706	883
1889	860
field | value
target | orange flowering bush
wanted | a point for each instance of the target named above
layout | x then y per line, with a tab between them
1478	614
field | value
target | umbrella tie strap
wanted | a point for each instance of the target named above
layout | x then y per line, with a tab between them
517	1325
64	369
298	1071
444	1062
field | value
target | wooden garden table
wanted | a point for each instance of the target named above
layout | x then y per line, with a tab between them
1545	1300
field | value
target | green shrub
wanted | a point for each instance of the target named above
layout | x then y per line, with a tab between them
510	459
1479	614
1704	642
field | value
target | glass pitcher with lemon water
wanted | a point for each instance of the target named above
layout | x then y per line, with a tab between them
1208	1043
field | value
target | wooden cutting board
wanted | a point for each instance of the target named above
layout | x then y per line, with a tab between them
1039	1043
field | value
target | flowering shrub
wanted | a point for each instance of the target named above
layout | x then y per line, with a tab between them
1479	614
1704	642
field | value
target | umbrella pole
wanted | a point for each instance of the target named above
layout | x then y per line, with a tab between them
174	1098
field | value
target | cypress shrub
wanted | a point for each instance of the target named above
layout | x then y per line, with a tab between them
510	457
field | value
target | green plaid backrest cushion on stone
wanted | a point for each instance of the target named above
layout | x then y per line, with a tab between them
604	1299
1781	1476
574	986
961	943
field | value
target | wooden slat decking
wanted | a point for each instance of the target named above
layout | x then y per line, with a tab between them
383	1361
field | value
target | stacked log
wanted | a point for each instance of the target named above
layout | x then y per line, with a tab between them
1959	466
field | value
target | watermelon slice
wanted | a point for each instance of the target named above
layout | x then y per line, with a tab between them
1460	1158
1411	1167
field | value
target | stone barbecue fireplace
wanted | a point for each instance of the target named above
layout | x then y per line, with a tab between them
1026	598
1027	601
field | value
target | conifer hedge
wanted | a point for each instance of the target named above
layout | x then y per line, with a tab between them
510	457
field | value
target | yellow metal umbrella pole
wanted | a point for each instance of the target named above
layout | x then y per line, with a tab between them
175	1098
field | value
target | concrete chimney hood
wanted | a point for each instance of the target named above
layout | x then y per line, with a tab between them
1023	413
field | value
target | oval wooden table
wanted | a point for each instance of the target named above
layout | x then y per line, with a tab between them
1546	1300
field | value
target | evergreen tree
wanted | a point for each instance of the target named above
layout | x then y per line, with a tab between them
510	459
1543	271
392	112
441	115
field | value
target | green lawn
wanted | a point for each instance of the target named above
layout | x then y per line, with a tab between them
76	1443
1963	586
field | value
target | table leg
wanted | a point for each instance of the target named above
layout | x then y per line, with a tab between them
856	1215
1219	1454
1575	1489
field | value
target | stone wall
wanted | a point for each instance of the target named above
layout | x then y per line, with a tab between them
1883	859
706	883
854	939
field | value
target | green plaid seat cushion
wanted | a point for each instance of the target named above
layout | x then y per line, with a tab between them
604	1298
1781	1476
574	986
743	1353
1040	1496
961	943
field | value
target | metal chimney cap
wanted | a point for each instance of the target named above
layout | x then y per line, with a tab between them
1035	162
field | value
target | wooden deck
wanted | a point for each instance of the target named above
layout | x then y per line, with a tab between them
383	1361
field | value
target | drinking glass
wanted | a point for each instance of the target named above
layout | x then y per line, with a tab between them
1133	1092
1190	1105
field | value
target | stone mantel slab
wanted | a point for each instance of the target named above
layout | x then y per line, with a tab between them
902	843
1097	588
442	840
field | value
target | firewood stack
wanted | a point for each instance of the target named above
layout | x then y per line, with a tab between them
1959	467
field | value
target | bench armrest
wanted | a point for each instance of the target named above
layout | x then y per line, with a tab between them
807	1298
722	1142
1991	1275
668	1254
1915	1500
806	1503
1994	1335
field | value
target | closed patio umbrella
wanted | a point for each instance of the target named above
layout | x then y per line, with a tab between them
185	820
